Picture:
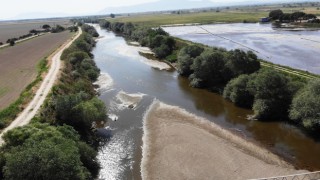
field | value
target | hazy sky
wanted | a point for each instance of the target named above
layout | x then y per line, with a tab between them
13	8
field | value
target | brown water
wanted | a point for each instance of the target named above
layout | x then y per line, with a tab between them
121	155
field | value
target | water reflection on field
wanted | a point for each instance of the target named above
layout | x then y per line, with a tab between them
295	48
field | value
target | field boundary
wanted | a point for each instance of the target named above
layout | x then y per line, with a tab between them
22	40
28	96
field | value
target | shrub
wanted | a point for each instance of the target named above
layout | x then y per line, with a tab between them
305	108
237	91
272	95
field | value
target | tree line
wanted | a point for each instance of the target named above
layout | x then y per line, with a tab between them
60	143
156	39
237	75
46	28
292	17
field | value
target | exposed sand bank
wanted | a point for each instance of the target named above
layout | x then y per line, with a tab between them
133	52
180	145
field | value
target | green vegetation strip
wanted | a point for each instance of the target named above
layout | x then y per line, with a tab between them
202	18
290	71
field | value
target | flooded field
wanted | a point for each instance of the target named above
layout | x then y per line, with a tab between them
129	85
296	48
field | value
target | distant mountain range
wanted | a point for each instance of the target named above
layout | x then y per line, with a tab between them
164	5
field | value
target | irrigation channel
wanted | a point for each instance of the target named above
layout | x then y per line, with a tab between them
129	83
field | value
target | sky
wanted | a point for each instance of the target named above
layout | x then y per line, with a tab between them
15	8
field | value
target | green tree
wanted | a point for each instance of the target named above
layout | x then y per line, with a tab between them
275	14
88	112
305	108
77	57
186	57
112	15
272	95
162	51
297	16
286	17
208	69
46	26
12	42
237	91
240	62
310	16
46	152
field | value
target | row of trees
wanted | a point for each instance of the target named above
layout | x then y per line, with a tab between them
60	143
271	94
46	27
213	67
156	38
287	17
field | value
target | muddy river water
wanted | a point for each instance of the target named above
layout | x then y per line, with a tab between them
296	48
128	85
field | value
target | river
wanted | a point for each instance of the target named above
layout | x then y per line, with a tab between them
297	48
128	80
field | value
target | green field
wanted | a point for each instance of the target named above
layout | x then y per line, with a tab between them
216	15
152	20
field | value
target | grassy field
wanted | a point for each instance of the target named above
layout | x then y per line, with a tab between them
16	29
152	20
18	64
225	15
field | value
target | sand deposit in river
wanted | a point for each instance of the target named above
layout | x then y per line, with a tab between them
133	52
180	145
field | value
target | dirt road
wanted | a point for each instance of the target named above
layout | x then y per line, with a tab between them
30	111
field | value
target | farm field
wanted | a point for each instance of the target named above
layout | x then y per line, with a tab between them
215	15
18	64
16	29
201	17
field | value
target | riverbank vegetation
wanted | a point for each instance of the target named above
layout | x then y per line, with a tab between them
60	143
271	93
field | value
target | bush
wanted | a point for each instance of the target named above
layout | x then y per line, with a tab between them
275	14
162	51
240	62
208	68
186	57
237	91
305	108
272	95
46	152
